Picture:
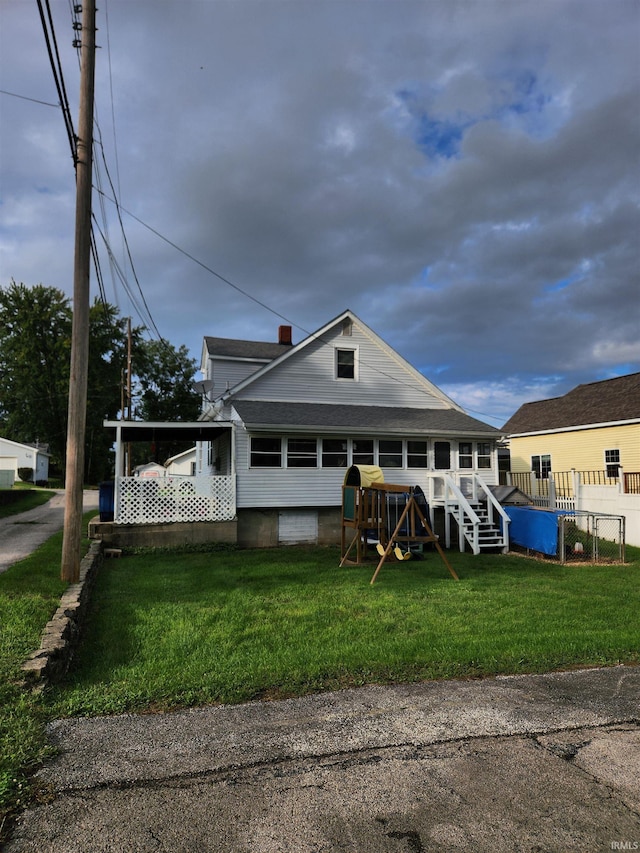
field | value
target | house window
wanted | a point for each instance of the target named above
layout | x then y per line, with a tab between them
442	455
612	461
302	453
345	364
390	454
266	453
465	454
334	453
417	454
484	454
541	466
363	451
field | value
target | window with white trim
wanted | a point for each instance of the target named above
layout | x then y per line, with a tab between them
417	454
363	451
541	466
612	462
390	453
334	452
465	454
266	452
302	453
484	454
345	364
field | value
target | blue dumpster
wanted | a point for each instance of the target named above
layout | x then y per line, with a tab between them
105	500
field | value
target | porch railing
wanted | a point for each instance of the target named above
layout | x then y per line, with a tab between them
558	489
164	500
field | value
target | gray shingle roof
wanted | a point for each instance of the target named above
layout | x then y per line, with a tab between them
259	350
376	419
607	401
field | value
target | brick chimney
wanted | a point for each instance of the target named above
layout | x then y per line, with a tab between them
284	336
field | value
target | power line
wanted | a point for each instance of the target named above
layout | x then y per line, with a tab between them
56	67
33	100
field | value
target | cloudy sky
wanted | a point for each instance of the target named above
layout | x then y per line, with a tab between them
463	174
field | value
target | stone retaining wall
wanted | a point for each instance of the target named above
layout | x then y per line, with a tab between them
51	661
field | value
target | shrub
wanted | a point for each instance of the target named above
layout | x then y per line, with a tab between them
26	475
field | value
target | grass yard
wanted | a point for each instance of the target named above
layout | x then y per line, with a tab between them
171	630
24	497
178	629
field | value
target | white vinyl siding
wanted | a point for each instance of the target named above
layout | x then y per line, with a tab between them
295	487
309	377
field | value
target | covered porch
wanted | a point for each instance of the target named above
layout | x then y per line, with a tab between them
168	499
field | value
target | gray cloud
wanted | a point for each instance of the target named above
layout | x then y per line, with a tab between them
463	175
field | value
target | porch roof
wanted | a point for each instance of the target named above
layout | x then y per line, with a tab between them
282	416
166	431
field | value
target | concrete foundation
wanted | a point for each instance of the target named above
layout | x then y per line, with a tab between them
162	535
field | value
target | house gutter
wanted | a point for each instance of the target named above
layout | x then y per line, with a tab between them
366	431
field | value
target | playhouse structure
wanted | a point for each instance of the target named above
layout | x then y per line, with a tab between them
390	518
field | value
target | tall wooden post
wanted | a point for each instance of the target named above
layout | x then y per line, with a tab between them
74	479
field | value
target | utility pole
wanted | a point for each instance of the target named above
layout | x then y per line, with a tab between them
76	424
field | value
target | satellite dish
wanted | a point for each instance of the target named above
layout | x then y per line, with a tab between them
203	386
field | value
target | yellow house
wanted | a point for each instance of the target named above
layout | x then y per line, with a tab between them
594	429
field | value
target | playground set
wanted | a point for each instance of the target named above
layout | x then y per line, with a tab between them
391	518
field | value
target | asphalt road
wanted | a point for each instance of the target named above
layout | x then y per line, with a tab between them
21	534
523	763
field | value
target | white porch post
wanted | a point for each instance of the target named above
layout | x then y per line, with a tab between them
119	472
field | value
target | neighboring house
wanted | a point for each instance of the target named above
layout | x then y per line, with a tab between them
150	469
15	455
594	427
182	464
296	417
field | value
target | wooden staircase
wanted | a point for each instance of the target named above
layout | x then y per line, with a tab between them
480	519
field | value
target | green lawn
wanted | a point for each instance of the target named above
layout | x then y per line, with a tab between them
173	630
178	629
23	498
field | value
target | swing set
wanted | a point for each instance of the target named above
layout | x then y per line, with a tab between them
390	517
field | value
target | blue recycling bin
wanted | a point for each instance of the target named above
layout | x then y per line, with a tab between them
105	500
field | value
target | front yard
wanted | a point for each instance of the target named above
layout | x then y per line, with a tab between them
171	630
176	629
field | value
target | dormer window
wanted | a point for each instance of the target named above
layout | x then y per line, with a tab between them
345	364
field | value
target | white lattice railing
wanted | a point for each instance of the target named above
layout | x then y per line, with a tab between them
161	500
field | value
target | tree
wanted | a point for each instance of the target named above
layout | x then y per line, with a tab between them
35	341
35	345
164	392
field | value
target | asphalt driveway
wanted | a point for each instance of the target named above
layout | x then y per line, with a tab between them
523	763
21	534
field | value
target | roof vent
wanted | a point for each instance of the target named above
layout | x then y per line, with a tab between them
284	336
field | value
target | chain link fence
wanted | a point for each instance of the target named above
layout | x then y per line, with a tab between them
585	537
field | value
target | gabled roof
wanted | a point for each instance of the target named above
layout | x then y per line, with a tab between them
606	402
285	352
40	448
250	350
258	414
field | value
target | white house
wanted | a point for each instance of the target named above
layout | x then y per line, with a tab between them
299	416
15	455
284	422
182	464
